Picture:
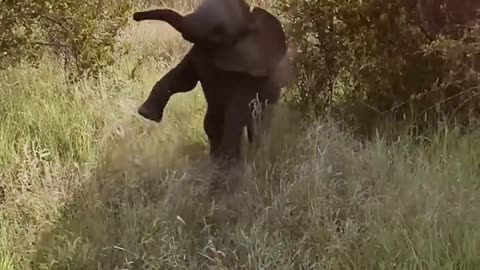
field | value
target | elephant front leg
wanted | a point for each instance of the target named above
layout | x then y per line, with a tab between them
182	78
226	152
237	116
213	125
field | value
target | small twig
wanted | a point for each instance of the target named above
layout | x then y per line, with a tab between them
418	96
449	98
467	100
51	44
49	18
122	249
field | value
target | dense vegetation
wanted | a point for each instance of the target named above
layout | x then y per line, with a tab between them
87	184
372	60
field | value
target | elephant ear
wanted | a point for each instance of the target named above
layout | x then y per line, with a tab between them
260	51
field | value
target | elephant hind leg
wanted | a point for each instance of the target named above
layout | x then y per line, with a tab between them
269	95
250	130
256	109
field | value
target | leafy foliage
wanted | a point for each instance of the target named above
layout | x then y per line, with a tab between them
364	60
82	33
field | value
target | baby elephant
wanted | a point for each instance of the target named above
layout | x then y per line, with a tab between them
237	55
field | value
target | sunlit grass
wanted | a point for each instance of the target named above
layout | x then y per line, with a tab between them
88	184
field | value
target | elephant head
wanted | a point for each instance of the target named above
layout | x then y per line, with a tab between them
243	40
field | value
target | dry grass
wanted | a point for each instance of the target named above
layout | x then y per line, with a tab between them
87	184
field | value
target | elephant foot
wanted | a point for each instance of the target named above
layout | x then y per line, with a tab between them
150	114
226	178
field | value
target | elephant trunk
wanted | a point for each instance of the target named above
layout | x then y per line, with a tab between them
189	26
167	15
193	29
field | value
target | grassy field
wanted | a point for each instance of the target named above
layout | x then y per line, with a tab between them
85	183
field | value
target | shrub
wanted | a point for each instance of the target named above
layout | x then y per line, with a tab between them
458	92
82	33
364	60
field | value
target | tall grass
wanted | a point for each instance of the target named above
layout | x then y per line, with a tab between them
87	184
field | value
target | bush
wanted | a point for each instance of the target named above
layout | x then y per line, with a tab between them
458	92
81	33
365	60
